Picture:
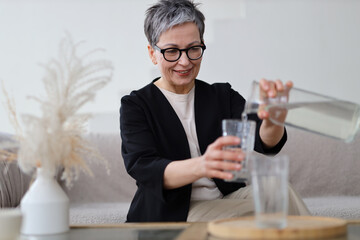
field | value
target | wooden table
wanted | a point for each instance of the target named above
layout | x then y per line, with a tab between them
158	231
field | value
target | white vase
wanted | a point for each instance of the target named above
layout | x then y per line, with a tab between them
45	207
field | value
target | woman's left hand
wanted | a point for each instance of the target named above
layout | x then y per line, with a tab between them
271	133
271	89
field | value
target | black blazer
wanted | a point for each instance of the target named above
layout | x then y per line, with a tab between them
153	136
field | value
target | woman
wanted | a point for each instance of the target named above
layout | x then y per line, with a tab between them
171	128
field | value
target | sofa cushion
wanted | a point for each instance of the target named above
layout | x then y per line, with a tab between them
13	183
347	207
98	213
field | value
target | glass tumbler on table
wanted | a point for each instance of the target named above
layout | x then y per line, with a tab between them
270	190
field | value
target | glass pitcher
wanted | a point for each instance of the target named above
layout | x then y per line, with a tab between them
308	111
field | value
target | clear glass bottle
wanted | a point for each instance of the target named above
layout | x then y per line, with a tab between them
308	111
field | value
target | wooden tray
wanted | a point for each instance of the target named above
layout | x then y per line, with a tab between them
298	227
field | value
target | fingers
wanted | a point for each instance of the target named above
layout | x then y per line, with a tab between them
220	168
262	114
217	160
220	174
279	85
228	154
271	88
225	141
289	84
224	165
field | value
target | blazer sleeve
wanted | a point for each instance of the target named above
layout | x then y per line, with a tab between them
139	149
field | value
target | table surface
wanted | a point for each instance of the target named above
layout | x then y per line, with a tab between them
158	231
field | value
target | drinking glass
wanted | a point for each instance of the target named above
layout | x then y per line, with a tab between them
10	223
270	190
308	111
246	132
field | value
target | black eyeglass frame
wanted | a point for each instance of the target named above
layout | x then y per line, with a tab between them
186	50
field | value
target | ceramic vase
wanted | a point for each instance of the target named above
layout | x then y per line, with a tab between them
45	207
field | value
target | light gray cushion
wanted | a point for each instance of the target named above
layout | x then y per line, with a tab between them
347	207
98	213
13	183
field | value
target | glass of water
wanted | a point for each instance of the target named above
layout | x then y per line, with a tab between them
245	130
270	190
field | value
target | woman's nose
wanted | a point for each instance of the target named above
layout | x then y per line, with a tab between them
184	60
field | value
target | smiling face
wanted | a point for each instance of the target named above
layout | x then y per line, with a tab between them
178	77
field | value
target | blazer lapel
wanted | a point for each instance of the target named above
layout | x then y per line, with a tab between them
207	117
172	128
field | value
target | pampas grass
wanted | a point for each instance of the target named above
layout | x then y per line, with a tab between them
55	139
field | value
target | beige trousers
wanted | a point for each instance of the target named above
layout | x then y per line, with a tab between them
237	204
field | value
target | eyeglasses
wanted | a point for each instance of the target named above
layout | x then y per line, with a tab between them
174	54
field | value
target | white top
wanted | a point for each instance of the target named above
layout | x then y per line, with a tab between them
183	104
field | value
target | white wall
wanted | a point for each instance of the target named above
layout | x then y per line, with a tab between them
315	43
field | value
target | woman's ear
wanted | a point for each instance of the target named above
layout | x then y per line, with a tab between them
152	56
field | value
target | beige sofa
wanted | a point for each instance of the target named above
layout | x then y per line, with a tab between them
324	171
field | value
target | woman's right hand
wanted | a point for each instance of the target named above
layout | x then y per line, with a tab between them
212	164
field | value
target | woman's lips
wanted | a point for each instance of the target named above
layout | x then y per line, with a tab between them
183	72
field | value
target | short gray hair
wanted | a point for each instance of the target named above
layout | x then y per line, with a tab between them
168	13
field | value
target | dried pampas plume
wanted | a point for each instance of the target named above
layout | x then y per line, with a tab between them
55	140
